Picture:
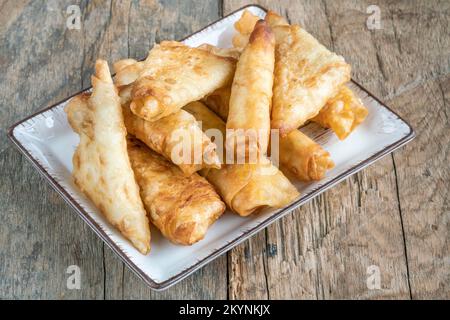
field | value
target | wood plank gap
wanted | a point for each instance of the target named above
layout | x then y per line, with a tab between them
403	229
228	274
104	271
220	7
330	28
265	266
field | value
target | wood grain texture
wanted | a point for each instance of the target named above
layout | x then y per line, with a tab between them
394	214
423	167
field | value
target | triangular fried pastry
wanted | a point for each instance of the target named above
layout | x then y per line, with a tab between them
101	167
174	75
307	75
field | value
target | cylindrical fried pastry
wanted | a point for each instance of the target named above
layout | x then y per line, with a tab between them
251	91
177	137
342	114
245	188
299	155
302	157
181	207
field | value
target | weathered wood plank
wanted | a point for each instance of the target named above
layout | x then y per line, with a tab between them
40	235
323	249
423	175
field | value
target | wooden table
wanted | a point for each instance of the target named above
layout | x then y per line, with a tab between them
392	217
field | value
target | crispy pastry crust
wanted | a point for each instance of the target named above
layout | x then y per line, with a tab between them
303	158
174	75
245	188
181	207
342	114
251	91
307	75
171	136
101	168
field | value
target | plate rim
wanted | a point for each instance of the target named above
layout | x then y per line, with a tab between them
163	285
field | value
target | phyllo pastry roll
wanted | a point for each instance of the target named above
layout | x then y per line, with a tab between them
342	114
307	75
177	137
299	155
127	71
101	167
245	188
302	158
251	91
174	75
182	208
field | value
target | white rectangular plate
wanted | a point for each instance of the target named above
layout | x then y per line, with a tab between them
48	142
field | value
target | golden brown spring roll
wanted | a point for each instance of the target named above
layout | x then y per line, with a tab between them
176	137
302	158
307	75
101	167
174	75
305	159
251	91
182	208
342	114
245	188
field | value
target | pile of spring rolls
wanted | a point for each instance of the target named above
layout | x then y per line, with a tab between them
146	153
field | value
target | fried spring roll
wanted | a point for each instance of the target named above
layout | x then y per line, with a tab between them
101	167
342	114
251	91
177	137
303	158
299	155
174	75
245	188
182	208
